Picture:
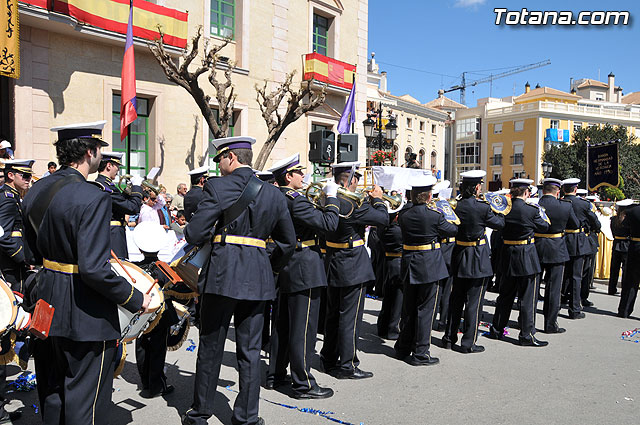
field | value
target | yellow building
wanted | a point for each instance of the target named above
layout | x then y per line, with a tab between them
507	137
71	73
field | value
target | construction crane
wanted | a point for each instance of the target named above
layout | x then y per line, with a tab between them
464	84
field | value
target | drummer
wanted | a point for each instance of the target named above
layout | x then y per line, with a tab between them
151	347
71	238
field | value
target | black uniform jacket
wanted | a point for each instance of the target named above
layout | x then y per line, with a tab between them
633	220
121	205
474	262
191	200
391	239
12	250
560	212
423	226
75	231
520	225
305	269
352	266
578	243
620	231
242	272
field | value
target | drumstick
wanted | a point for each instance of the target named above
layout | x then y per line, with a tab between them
151	287
115	257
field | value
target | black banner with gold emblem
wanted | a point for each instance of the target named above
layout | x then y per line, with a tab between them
602	165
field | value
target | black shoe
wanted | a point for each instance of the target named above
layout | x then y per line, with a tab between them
587	303
260	421
316	393
146	393
446	344
429	361
532	342
613	293
575	316
353	374
9	417
495	334
554	330
473	349
273	383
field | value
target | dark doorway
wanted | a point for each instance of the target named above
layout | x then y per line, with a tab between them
6	110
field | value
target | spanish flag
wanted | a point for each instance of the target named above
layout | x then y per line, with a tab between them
128	103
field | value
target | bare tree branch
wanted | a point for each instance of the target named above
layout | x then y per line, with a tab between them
269	104
188	80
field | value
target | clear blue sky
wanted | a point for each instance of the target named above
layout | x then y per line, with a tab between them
452	36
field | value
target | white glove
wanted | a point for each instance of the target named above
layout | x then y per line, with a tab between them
330	189
23	319
136	180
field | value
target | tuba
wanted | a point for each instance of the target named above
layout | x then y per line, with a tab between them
147	184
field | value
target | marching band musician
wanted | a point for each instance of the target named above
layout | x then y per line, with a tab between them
13	253
193	197
578	244
151	347
127	202
447	243
631	272
300	283
470	263
422	268
589	268
520	265
388	323
620	247
552	250
241	212
348	272
69	232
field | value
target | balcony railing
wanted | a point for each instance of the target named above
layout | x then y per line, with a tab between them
566	108
517	159
496	160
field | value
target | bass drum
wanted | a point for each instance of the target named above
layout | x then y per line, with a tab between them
8	307
132	325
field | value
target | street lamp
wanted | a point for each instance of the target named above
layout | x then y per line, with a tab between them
546	169
374	130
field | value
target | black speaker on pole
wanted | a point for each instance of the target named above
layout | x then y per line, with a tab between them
322	146
347	147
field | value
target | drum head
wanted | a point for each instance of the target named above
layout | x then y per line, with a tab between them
143	282
8	307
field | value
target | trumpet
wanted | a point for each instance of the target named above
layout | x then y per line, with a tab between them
394	202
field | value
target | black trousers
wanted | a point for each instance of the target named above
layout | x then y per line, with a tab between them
418	312
466	294
574	268
524	287
343	318
630	281
588	270
389	318
297	329
75	380
553	274
3	385
617	260
151	353
215	316
444	301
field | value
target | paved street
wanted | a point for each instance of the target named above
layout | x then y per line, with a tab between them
586	376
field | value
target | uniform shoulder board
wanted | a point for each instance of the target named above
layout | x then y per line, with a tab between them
593	207
293	194
101	186
9	194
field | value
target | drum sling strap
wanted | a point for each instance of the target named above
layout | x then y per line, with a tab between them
41	203
249	193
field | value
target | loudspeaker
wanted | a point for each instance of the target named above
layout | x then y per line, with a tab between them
347	147
322	146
